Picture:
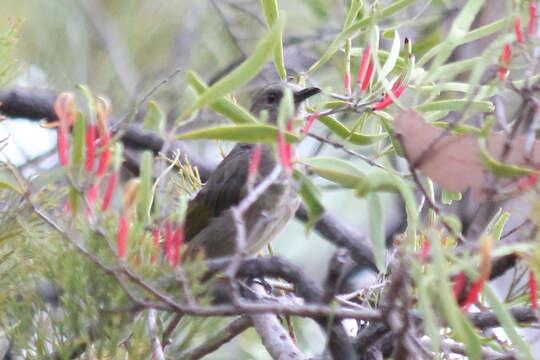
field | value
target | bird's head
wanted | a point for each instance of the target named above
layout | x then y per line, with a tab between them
269	99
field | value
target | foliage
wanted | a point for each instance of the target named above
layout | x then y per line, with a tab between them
421	121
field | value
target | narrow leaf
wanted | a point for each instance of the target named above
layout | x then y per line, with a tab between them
312	198
498	168
453	105
508	323
271	13
244	72
448	196
384	181
356	28
392	58
234	112
154	119
337	170
376	223
343	132
79	139
246	133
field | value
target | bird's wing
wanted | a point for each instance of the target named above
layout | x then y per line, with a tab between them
225	187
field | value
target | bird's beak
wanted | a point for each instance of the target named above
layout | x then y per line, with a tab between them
303	94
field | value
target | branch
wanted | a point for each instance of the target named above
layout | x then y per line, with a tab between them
275	338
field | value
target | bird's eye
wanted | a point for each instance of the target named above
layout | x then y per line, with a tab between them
272	97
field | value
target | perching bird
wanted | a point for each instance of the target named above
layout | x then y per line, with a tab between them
209	225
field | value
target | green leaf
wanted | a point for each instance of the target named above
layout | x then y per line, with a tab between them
74	198
343	132
498	168
154	120
312	198
286	108
460	27
337	170
234	112
454	222
245	133
90	102
244	72
356	28
425	297
392	58
462	329
453	105
499	226
387	123
448	196
472	35
507	323
145	187
354	8
79	140
271	13
384	181
376	223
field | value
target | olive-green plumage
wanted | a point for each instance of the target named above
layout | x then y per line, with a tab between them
209	226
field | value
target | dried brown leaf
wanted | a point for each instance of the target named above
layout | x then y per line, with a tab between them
454	161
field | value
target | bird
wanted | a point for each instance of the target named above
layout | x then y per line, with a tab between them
209	228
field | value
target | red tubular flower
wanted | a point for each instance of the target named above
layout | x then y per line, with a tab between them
425	250
533	287
310	120
528	181
459	284
64	108
123	229
178	241
69	207
474	292
284	151
507	53
111	185
103	108
367	79
156	245
255	161
505	61
364	65
92	196
532	17
105	158
519	30
169	246
290	149
90	146
63	146
397	90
